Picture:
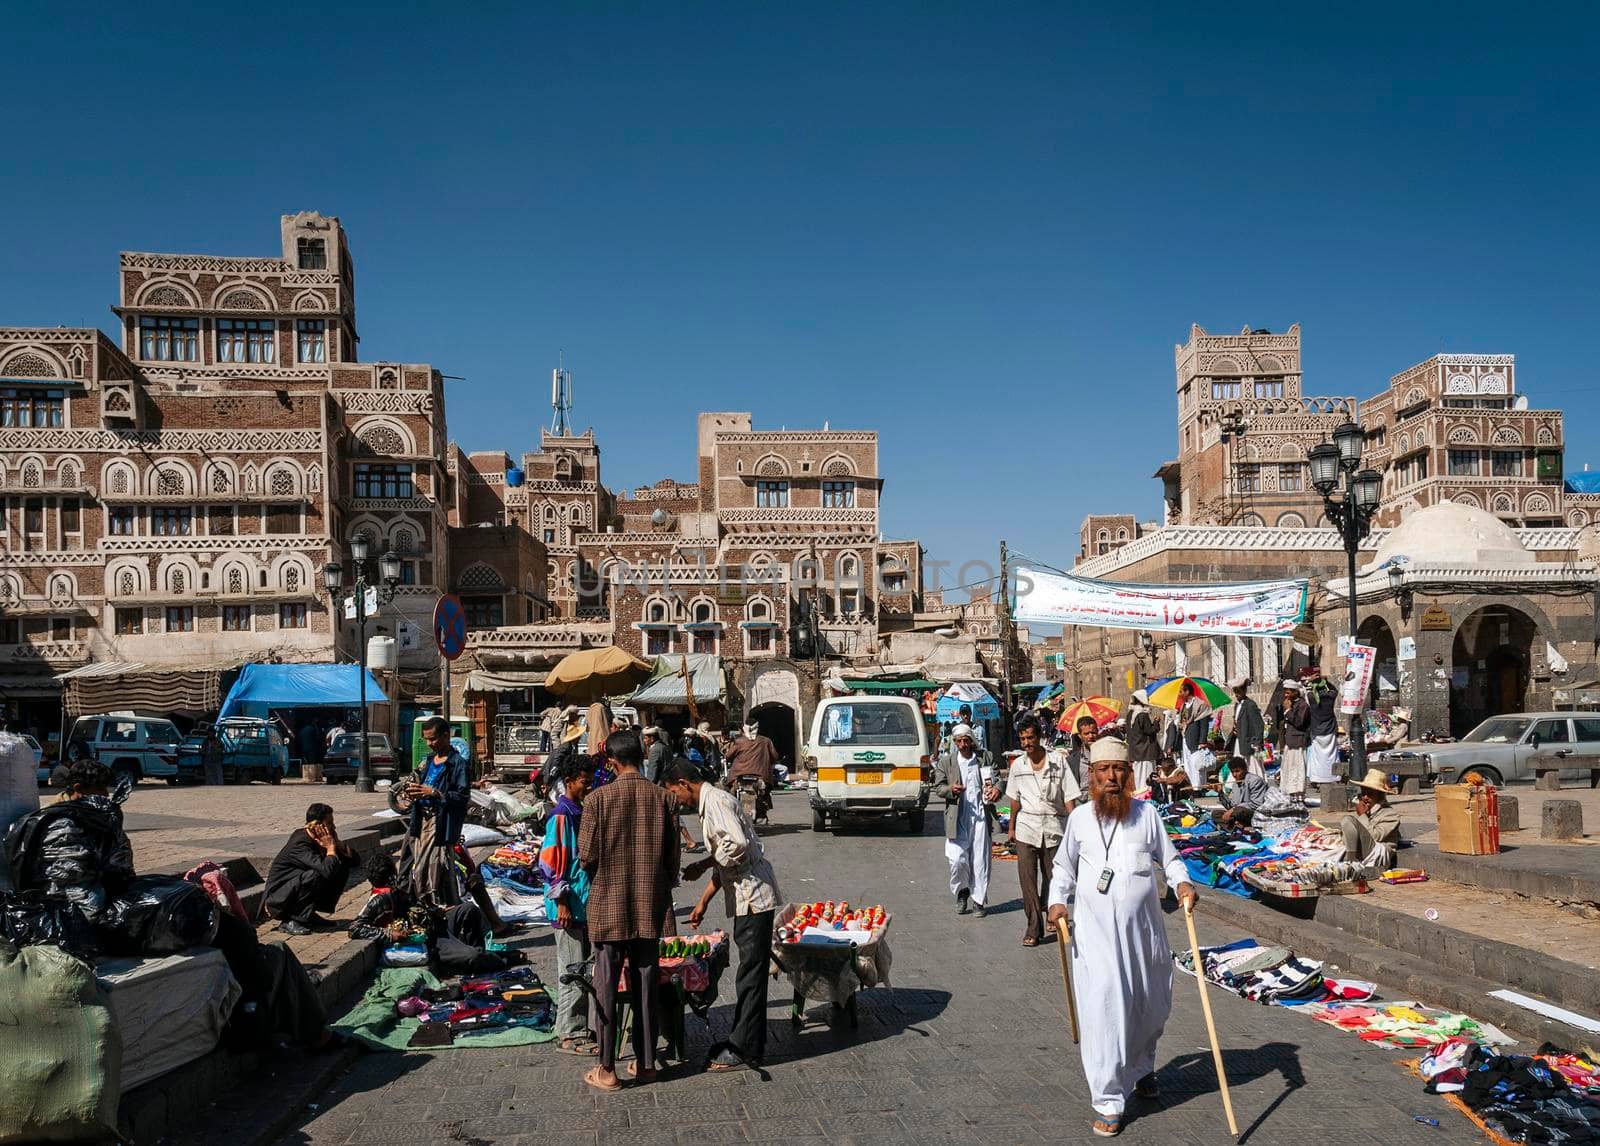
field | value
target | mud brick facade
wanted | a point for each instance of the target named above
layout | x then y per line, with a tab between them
170	502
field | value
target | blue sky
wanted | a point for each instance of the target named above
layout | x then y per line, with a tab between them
978	229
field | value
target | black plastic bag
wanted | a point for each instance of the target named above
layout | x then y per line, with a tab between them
159	915
30	919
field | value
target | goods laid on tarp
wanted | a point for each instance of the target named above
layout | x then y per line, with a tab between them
1551	1096
168	1010
828	948
60	1056
1305	861
409	1008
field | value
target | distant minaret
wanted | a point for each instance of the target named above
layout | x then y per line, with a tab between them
561	400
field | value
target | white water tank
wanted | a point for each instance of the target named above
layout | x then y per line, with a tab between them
382	654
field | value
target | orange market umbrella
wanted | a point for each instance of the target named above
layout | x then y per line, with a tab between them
1102	709
593	674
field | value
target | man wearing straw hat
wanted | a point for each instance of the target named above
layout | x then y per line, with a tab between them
1372	834
1121	963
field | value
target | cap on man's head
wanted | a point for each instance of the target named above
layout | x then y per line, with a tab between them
1108	748
1239	681
1291	685
962	730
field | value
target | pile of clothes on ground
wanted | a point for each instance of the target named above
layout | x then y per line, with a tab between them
1552	1096
1406	1025
1305	859
410	1008
512	876
1270	974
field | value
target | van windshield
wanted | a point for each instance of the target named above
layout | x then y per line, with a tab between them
869	722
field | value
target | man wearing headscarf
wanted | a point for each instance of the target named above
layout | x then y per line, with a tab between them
965	780
1322	756
1121	963
1296	736
1144	740
1194	719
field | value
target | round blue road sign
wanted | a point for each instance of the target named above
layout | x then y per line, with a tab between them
450	626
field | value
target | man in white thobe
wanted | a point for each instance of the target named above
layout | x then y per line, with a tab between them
966	782
1121	963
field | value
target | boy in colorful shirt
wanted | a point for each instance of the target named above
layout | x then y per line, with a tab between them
566	902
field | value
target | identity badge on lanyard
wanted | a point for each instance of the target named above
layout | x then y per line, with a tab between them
1104	883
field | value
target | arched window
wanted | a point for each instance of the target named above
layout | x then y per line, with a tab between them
169	481
126	585
291	579
281	483
176	581
703	613
656	613
236	581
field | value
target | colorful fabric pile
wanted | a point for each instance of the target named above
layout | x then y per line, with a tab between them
1407	1024
1549	1097
517	860
1269	974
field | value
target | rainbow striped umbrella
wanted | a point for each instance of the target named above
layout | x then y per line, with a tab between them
1164	693
1102	709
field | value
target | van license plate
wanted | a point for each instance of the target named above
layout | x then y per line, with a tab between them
869	777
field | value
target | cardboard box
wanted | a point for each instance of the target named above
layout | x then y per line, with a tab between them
1469	819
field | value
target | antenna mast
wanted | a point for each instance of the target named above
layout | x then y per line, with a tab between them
561	399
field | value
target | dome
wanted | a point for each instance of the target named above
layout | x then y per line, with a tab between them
1452	534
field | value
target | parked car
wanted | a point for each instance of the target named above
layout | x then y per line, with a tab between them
343	760
252	749
1505	748
141	747
870	756
41	772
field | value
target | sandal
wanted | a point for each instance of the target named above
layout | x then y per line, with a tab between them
641	1075
1030	941
598	1081
1107	1127
583	1048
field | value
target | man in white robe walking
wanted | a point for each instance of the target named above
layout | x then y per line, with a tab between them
1121	962
966	783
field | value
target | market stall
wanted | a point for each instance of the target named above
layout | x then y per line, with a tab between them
828	948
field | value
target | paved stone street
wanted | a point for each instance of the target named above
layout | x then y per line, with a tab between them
970	1045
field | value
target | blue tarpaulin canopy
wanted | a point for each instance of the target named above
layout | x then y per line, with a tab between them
1583	482
984	706
261	687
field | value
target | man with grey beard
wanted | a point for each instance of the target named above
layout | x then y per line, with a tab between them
1121	963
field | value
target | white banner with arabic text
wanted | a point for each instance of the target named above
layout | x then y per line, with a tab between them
1251	609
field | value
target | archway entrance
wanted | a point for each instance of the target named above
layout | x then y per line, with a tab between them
1375	631
777	722
774	708
1489	666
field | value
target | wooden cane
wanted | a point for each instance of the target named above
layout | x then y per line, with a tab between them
1211	1026
1064	940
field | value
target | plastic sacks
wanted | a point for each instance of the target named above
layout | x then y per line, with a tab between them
29	919
160	915
19	790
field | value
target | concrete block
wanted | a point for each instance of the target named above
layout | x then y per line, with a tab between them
1548	780
1336	797
1508	813
1563	820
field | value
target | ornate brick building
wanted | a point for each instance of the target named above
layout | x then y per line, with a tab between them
170	503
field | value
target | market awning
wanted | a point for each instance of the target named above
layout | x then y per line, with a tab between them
916	684
261	687
666	683
482	680
30	685
115	686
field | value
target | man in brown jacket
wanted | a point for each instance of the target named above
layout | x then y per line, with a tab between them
628	843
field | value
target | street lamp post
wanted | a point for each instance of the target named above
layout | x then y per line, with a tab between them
1351	515
333	576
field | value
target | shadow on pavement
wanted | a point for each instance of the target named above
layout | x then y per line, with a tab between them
370	1072
1192	1077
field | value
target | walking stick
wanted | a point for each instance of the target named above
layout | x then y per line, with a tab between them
1063	940
1211	1026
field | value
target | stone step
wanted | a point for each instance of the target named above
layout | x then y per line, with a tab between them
1562	874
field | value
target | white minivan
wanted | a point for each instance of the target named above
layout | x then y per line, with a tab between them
870	757
140	747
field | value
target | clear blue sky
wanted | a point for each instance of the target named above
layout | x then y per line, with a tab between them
978	229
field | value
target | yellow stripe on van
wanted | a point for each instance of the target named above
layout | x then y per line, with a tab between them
834	774
907	774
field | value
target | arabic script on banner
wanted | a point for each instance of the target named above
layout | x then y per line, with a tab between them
1257	608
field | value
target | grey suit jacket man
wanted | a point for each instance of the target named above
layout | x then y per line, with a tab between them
952	801
1249	730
